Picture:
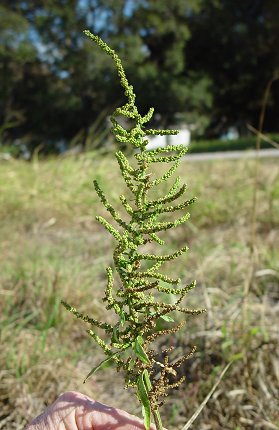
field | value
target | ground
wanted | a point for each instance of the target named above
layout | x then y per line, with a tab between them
52	248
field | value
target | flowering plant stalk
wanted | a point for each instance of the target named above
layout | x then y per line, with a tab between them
139	301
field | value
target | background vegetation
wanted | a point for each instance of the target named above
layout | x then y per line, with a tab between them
203	62
52	249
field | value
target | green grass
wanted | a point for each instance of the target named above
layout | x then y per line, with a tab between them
52	248
241	143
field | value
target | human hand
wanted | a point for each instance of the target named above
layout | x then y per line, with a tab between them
75	411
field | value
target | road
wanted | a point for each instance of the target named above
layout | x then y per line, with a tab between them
226	155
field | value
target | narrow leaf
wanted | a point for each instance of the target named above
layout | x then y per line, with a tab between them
146	379
167	318
143	396
95	369
122	318
139	351
115	333
107	359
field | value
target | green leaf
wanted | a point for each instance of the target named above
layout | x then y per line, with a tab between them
115	334
122	317
139	351
236	357
131	365
146	380
125	346
95	369
143	396
167	318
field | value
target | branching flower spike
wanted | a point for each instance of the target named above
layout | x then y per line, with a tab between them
143	293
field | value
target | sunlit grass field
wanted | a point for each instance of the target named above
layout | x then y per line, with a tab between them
52	248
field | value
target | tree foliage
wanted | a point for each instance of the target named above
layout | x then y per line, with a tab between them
197	61
235	44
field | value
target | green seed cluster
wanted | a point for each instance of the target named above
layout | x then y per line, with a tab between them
138	300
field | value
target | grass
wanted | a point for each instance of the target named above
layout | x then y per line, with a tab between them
52	248
242	143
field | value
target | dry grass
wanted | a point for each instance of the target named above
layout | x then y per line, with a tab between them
52	248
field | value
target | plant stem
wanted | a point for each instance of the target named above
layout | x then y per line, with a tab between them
157	419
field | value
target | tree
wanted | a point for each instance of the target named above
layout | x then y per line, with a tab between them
60	87
235	43
193	60
15	51
162	75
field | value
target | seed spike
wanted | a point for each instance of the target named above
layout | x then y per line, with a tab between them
140	296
